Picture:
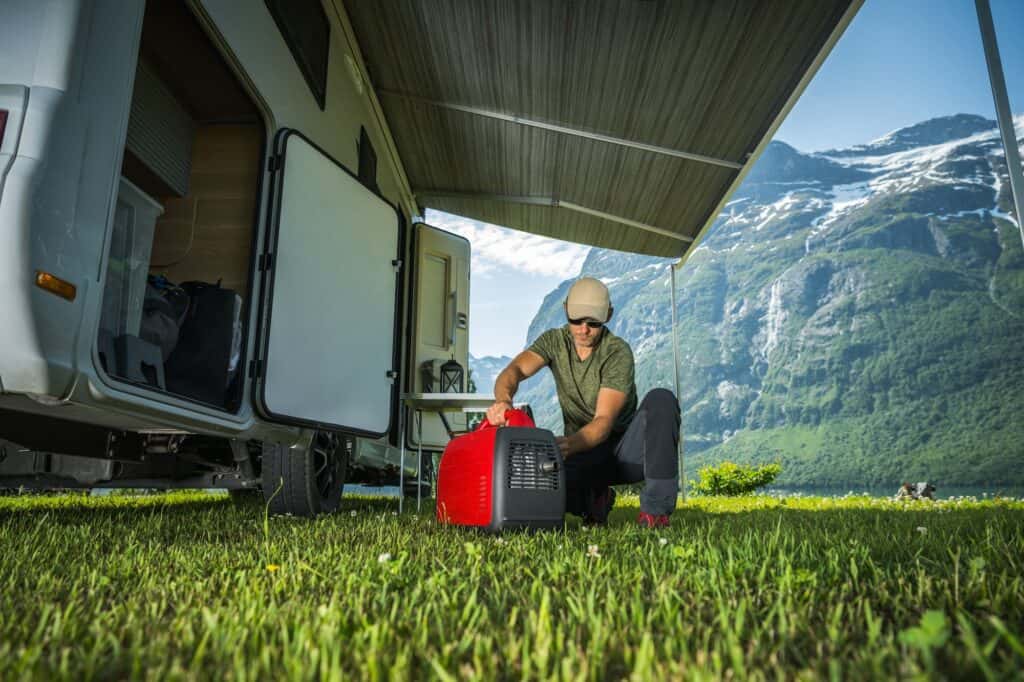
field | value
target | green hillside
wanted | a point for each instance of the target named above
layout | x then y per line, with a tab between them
858	316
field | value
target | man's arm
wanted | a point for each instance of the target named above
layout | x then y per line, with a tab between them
609	404
523	366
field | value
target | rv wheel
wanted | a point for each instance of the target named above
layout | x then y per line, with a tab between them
305	481
245	497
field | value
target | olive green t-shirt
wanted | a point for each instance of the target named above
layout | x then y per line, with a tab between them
609	365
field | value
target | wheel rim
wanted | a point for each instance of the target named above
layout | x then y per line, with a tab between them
326	463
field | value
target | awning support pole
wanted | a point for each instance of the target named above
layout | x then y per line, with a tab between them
675	379
1006	130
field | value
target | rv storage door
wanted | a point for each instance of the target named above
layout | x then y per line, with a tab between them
441	327
329	314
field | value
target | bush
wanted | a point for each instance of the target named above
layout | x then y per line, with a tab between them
734	479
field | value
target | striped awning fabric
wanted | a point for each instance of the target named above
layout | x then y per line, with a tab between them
624	124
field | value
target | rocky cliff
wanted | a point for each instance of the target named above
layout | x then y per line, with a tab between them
857	315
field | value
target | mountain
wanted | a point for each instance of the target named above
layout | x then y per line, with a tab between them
932	132
856	314
485	370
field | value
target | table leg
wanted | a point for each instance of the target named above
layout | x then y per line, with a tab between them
401	464
419	459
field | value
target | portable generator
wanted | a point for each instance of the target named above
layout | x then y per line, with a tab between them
497	478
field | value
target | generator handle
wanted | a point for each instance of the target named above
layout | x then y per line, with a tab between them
513	417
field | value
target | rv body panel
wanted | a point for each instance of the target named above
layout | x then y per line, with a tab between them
66	78
74	63
249	31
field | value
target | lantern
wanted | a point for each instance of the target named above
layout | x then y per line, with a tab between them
452	377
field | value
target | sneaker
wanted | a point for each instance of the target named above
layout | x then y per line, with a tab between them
598	507
653	520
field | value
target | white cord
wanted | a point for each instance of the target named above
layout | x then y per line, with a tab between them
191	239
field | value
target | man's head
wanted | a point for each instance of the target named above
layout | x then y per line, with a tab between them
587	308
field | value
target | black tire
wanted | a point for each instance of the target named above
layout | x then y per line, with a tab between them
305	482
245	497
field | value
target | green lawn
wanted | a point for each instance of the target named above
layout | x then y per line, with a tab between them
189	585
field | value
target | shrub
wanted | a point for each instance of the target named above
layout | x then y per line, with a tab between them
729	478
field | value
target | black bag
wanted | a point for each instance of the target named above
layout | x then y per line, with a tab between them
201	365
163	312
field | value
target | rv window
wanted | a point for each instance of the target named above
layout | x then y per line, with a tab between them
367	161
307	32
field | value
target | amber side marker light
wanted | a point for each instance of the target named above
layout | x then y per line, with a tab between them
55	285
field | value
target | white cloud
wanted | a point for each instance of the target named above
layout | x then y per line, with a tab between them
495	247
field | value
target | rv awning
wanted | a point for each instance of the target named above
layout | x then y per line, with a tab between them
623	124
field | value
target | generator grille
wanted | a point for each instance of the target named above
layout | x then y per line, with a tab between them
532	465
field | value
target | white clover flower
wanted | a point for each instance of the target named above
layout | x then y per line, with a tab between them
593	552
384	557
922	530
352	513
662	541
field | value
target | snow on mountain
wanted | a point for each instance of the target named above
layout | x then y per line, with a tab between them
840	293
828	186
485	370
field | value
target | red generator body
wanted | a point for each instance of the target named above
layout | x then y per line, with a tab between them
502	477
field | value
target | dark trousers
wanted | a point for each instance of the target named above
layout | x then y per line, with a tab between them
647	451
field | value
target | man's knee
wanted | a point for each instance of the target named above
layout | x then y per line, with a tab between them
660	401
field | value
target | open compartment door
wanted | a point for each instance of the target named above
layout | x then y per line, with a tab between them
440	324
329	311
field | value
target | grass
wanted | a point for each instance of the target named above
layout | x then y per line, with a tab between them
192	586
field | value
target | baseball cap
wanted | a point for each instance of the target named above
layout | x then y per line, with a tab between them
588	297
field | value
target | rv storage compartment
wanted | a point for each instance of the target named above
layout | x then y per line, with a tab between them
160	132
205	360
186	212
121	349
128	266
498	478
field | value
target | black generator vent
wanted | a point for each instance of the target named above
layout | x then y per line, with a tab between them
532	465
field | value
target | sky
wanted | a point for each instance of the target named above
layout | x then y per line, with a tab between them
510	274
899	62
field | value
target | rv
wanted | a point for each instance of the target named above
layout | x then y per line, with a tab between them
210	274
213	271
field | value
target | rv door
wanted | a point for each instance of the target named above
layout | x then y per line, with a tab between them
440	325
328	317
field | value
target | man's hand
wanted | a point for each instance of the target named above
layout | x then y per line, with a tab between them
523	366
609	403
496	412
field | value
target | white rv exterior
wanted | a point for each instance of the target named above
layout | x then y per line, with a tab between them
186	140
229	165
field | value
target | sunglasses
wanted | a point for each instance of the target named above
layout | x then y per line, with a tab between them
590	323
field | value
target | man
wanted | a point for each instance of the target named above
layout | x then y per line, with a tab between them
609	439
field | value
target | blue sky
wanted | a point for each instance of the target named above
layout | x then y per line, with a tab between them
900	62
